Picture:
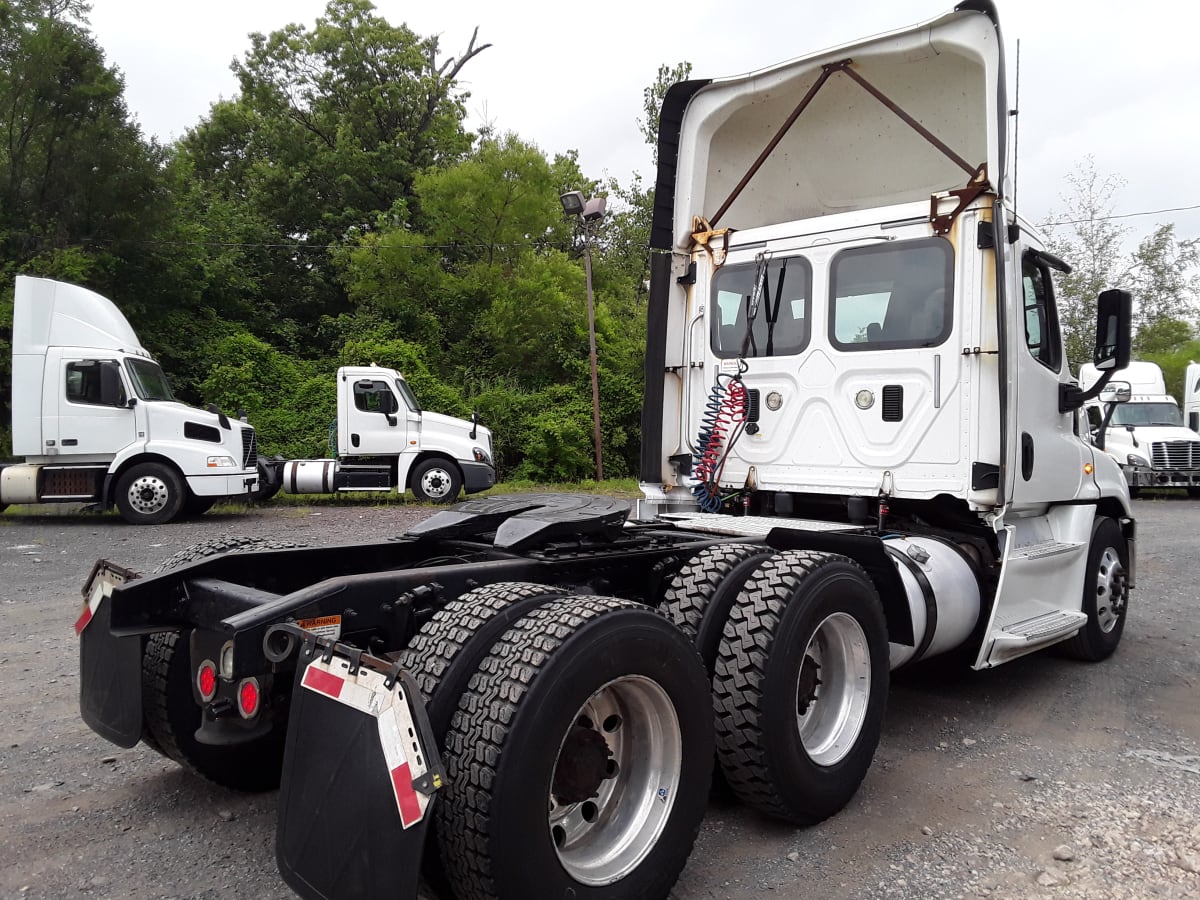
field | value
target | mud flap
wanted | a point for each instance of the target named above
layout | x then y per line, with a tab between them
359	773
110	667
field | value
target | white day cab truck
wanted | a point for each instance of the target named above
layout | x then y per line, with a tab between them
95	420
861	447
1144	433
385	441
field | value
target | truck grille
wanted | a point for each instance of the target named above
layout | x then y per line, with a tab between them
1175	454
249	449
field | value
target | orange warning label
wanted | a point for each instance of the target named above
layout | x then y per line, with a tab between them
323	626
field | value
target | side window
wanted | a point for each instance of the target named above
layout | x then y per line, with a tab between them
1041	317
885	297
374	396
85	379
781	322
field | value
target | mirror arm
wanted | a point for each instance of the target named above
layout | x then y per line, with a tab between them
1109	409
1072	396
391	420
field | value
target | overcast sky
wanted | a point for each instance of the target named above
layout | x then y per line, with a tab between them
1117	80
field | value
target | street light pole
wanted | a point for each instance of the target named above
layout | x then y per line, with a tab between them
588	212
587	267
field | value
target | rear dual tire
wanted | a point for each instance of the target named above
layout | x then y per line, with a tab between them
800	685
578	758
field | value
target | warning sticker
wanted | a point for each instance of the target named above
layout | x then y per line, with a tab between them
323	626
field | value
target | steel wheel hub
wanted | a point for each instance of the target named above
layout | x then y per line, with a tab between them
615	780
833	688
149	494
1110	590
436	483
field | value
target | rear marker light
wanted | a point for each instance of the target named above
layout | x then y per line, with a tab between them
206	681
248	698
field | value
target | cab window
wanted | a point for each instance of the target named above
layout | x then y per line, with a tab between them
892	296
1041	317
84	382
374	397
780	319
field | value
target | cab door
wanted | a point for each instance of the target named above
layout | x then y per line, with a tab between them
93	413
376	421
1046	455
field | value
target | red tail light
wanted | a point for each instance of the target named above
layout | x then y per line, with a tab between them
206	681
248	698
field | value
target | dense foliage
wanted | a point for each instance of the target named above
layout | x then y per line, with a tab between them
334	211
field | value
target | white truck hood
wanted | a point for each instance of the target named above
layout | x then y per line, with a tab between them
450	432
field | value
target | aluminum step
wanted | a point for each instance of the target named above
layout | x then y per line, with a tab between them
1043	627
1046	548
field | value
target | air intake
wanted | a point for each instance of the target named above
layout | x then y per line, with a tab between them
893	402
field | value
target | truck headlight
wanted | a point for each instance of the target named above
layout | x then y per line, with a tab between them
481	455
222	462
1134	460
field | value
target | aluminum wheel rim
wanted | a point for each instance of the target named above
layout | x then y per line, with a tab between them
604	838
436	483
830	714
149	494
1110	591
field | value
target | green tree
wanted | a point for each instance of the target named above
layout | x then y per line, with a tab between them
325	140
1160	272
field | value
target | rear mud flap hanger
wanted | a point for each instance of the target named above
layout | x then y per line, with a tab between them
705	232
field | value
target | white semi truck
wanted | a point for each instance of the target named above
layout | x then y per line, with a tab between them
1146	434
861	448
95	420
385	441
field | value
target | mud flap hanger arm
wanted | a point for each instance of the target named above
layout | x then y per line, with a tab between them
976	185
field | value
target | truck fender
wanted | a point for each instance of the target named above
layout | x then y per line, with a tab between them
869	552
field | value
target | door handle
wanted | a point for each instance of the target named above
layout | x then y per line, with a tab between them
1026	455
354	439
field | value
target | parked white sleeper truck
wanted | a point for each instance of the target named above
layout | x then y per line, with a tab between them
859	450
95	420
1146	434
385	441
1191	396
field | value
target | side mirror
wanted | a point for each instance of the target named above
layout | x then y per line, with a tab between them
1116	392
1114	318
112	392
1114	326
387	403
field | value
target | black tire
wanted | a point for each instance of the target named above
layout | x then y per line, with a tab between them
448	649
436	481
150	493
1105	594
502	754
196	506
265	489
700	596
766	664
170	715
1192	492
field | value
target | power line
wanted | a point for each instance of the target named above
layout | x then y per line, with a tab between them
1149	212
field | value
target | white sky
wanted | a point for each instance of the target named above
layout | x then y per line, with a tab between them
1108	77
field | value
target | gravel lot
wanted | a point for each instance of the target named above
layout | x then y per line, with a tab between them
1043	778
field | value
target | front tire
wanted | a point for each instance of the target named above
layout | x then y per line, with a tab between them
579	757
150	493
436	481
1105	594
801	685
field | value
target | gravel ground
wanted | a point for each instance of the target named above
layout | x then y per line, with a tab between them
1043	778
